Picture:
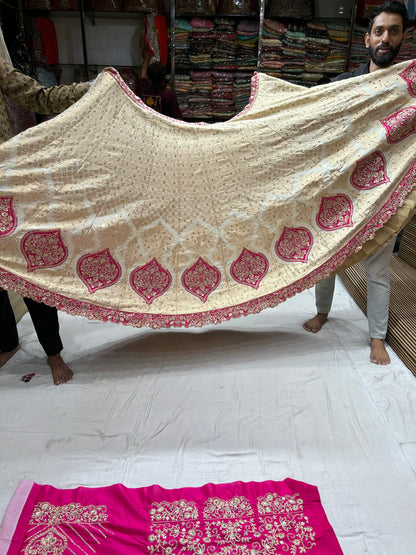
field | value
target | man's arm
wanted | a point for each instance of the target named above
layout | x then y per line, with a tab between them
28	93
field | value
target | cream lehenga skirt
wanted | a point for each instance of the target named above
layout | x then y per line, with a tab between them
115	212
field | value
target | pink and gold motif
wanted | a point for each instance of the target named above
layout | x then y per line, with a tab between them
249	268
400	125
55	530
8	220
409	75
231	526
294	244
43	249
370	172
98	270
201	279
150	281
335	213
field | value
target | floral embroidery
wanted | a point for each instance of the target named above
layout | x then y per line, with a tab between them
54	529
150	281
201	279
43	249
335	213
231	527
409	75
294	244
370	172
98	270
8	220
249	268
400	125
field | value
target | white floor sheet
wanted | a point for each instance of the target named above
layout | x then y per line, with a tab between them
257	398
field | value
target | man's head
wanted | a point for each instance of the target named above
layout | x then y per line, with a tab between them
156	73
386	32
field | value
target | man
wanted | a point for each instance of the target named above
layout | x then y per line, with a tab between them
26	92
386	32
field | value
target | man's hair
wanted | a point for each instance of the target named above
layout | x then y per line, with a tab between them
156	73
392	6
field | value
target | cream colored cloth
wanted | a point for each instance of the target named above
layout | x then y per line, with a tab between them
115	212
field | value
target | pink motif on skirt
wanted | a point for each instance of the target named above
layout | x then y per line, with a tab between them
335	213
201	279
43	249
8	220
409	75
400	125
98	270
249	268
150	281
370	172
294	244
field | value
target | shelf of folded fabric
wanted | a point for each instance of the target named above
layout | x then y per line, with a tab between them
304	53
215	58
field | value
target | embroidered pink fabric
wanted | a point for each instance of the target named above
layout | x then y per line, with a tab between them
238	518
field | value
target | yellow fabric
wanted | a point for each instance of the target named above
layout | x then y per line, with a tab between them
124	214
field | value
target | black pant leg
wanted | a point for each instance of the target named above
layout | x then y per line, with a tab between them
46	324
9	338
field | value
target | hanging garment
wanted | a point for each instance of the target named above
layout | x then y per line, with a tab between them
234	518
115	212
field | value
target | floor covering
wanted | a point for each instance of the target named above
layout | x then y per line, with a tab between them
253	399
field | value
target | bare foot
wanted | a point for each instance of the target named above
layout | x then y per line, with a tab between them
378	354
315	324
61	373
4	357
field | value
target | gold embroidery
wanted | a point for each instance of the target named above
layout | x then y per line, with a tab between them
50	526
230	527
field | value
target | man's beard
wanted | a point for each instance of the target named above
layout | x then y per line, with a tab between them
384	60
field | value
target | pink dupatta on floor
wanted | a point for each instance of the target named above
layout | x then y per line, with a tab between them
238	518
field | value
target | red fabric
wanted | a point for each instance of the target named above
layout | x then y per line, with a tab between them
162	33
47	33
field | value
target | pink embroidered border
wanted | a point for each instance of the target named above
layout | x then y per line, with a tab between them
155	321
253	95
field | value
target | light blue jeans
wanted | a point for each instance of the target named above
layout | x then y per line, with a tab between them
378	290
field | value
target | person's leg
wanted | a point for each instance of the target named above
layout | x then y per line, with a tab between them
46	324
324	293
9	339
378	296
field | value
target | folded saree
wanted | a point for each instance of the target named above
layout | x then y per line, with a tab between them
115	212
238	518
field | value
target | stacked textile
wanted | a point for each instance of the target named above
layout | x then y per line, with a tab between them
242	90
183	85
304	54
293	51
225	47
247	44
182	48
338	32
272	45
408	49
316	48
202	40
223	94
199	99
359	53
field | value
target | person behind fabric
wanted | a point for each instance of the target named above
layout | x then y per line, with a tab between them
27	93
386	32
153	90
